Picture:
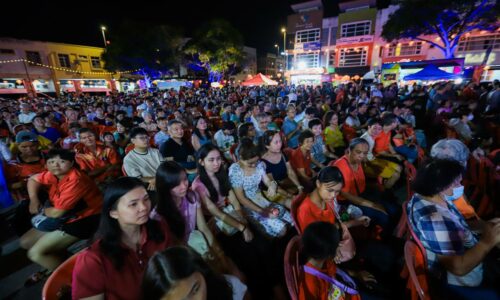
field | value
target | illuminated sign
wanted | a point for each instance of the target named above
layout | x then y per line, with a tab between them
355	39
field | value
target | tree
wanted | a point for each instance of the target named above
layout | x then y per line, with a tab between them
448	19
154	50
216	47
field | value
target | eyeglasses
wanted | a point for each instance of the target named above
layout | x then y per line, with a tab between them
142	137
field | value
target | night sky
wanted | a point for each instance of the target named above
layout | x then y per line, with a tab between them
79	22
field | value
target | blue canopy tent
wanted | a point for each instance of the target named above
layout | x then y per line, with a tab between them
431	72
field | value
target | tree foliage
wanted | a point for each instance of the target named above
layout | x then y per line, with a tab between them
156	50
217	47
448	19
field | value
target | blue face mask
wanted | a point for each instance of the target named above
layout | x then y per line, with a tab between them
457	193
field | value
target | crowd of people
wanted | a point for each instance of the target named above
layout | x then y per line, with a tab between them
195	194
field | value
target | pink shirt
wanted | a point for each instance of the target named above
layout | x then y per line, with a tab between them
202	191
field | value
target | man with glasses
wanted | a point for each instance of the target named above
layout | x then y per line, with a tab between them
142	161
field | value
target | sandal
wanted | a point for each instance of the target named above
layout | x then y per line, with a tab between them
37	277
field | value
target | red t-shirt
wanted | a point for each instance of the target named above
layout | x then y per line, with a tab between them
95	274
316	288
105	156
308	212
352	178
382	142
18	170
300	161
67	193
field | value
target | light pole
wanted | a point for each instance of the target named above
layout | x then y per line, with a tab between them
278	51
103	28
283	30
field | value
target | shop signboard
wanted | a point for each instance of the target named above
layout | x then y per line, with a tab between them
304	21
355	40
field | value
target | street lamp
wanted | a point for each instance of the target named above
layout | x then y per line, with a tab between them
277	46
103	28
283	30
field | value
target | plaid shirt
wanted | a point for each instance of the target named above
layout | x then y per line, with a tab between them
442	231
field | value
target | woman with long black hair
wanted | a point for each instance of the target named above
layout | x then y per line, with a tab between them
180	273
113	265
249	249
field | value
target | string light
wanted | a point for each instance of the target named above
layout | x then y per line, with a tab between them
66	69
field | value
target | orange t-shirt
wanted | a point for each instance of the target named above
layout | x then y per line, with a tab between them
66	193
465	208
300	161
382	142
104	156
352	179
308	213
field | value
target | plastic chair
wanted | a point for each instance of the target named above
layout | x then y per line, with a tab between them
402	226
416	263
411	173
293	269
129	148
296	202
60	278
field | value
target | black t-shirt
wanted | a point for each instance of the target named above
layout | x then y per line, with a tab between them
180	153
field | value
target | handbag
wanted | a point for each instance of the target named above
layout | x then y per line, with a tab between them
349	286
347	248
223	226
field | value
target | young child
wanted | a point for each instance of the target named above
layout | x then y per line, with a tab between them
319	150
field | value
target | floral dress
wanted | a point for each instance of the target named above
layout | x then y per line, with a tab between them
274	227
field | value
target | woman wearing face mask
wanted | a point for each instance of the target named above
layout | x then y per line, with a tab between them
112	267
180	273
456	256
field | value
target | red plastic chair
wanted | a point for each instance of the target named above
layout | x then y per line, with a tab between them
60	278
402	226
232	152
296	202
293	269
129	148
411	173
416	263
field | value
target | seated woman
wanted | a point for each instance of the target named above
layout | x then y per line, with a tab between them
70	213
278	168
381	211
377	166
201	135
180	207
321	204
319	247
334	139
180	273
248	249
246	175
454	253
113	266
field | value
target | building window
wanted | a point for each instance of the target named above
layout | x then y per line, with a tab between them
64	60
479	43
307	60
7	51
33	57
307	36
353	57
333	36
324	37
95	62
405	49
355	29
331	59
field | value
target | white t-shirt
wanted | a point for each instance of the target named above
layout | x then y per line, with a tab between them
223	141
142	165
238	287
